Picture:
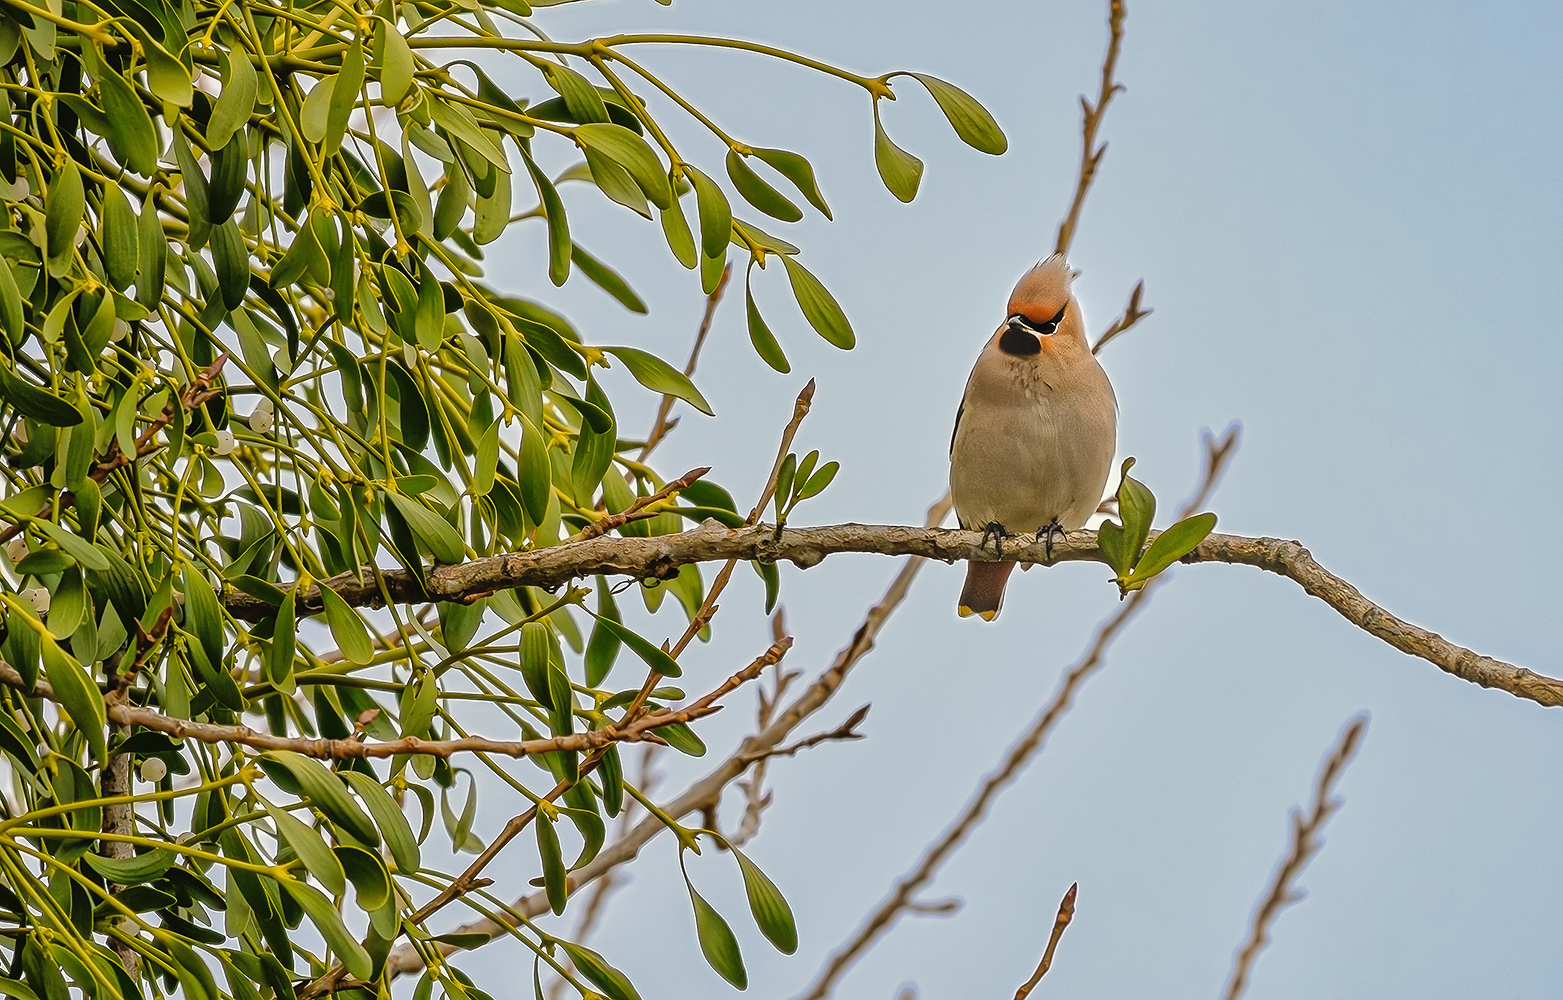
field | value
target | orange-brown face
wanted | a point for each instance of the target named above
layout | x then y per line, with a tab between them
1039	309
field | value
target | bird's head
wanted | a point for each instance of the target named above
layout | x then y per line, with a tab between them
1042	316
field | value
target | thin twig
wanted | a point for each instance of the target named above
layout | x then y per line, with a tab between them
662	425
1132	314
637	511
1305	844
1066	913
1020	753
707	609
1090	153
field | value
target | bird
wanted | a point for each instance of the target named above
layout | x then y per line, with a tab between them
1036	430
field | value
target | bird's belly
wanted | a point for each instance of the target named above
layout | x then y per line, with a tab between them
1022	466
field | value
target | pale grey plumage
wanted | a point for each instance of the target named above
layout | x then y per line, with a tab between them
1035	435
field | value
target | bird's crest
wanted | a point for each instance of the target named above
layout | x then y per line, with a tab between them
1043	290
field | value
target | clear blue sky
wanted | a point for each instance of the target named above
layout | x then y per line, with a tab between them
1348	220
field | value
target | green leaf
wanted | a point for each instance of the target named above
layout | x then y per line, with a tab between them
132	871
535	647
196	194
1136	509
347	629
235	101
432	530
659	376
579	95
971	120
555	879
371	881
63	209
76	692
284	643
1114	545
654	656
607	279
818	306
40	404
900	170
610	771
682	738
167	77
152	244
131	136
603	646
232	260
310	848
300	775
632	153
396	62
492	214
536	473
559	246
1170	546
345	95
769	906
798	170
815	484
611	981
716	216
765	344
757	192
717	942
675	229
314	116
121	245
329	922
390	819
11	304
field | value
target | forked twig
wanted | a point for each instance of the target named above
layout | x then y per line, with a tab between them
1305	844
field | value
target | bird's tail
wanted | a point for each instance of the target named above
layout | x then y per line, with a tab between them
984	590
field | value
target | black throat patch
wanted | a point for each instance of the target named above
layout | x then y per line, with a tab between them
1018	340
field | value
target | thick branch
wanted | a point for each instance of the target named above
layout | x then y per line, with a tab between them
661	556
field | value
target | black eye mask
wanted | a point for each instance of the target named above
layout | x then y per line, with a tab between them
1022	336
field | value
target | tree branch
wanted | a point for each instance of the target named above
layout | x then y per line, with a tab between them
660	557
1305	844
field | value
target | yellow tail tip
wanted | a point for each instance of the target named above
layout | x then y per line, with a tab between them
986	616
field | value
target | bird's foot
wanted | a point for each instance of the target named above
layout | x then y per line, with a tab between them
995	531
1046	533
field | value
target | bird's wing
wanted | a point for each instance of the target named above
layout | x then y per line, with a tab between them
957	427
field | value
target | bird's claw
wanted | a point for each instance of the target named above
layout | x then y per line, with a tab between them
1046	533
995	531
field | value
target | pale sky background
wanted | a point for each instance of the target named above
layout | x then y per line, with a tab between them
1347	217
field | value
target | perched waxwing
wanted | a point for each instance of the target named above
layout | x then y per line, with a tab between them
1036	431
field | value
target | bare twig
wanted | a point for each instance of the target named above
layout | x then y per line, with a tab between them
1305	844
351	749
846	731
1090	153
708	790
702	616
1066	913
1020	753
662	425
637	511
1132	314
